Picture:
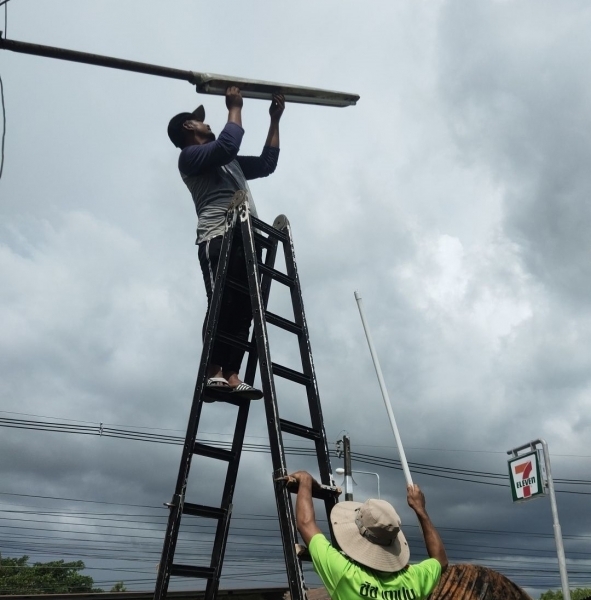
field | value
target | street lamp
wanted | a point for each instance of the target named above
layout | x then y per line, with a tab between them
341	471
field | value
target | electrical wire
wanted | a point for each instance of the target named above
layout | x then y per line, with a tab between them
452	473
3	127
92	536
250	518
5	3
254	531
262	437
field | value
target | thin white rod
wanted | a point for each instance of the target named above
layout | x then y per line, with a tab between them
376	364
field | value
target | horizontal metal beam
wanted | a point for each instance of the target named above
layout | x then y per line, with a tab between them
206	83
96	59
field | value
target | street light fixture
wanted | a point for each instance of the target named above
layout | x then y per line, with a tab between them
341	471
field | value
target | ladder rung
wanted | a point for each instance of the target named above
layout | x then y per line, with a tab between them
200	510
277	275
290	374
320	491
190	571
283	323
225	397
262	240
303	553
278	235
232	340
212	452
299	430
236	285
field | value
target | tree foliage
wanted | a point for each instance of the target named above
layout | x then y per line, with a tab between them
576	594
17	576
119	587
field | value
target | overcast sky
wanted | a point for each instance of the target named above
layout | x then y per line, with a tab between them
454	197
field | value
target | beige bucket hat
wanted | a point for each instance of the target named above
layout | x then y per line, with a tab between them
369	533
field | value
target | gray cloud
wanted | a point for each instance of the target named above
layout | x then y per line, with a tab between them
453	197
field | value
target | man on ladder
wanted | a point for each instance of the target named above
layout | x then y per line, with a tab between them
213	172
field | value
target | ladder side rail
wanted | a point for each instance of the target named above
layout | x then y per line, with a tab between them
176	505
282	496
321	444
262	342
223	527
327	477
266	282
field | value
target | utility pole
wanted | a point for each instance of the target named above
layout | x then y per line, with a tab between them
348	472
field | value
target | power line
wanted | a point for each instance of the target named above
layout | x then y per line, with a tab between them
453	473
95	540
3	125
98	424
5	3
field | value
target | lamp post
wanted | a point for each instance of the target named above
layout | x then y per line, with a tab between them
341	471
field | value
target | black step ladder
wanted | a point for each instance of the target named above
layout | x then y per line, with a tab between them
256	235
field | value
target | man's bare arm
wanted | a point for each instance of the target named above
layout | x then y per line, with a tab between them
435	547
305	516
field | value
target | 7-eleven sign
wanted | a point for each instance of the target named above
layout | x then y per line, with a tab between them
526	477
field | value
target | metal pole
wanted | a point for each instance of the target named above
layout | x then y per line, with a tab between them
376	364
556	523
96	59
557	529
348	474
206	83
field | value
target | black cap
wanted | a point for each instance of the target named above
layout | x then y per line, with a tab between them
175	126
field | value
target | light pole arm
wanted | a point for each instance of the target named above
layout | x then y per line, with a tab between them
340	471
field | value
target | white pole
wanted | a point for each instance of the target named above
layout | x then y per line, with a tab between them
376	364
557	529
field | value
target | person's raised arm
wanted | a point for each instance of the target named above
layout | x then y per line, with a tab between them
234	105
275	111
196	158
254	167
305	516
435	547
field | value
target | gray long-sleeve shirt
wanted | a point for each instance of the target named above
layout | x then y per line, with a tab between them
213	172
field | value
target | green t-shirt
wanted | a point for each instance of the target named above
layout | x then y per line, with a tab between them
348	580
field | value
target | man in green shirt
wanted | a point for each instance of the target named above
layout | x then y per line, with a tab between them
374	559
